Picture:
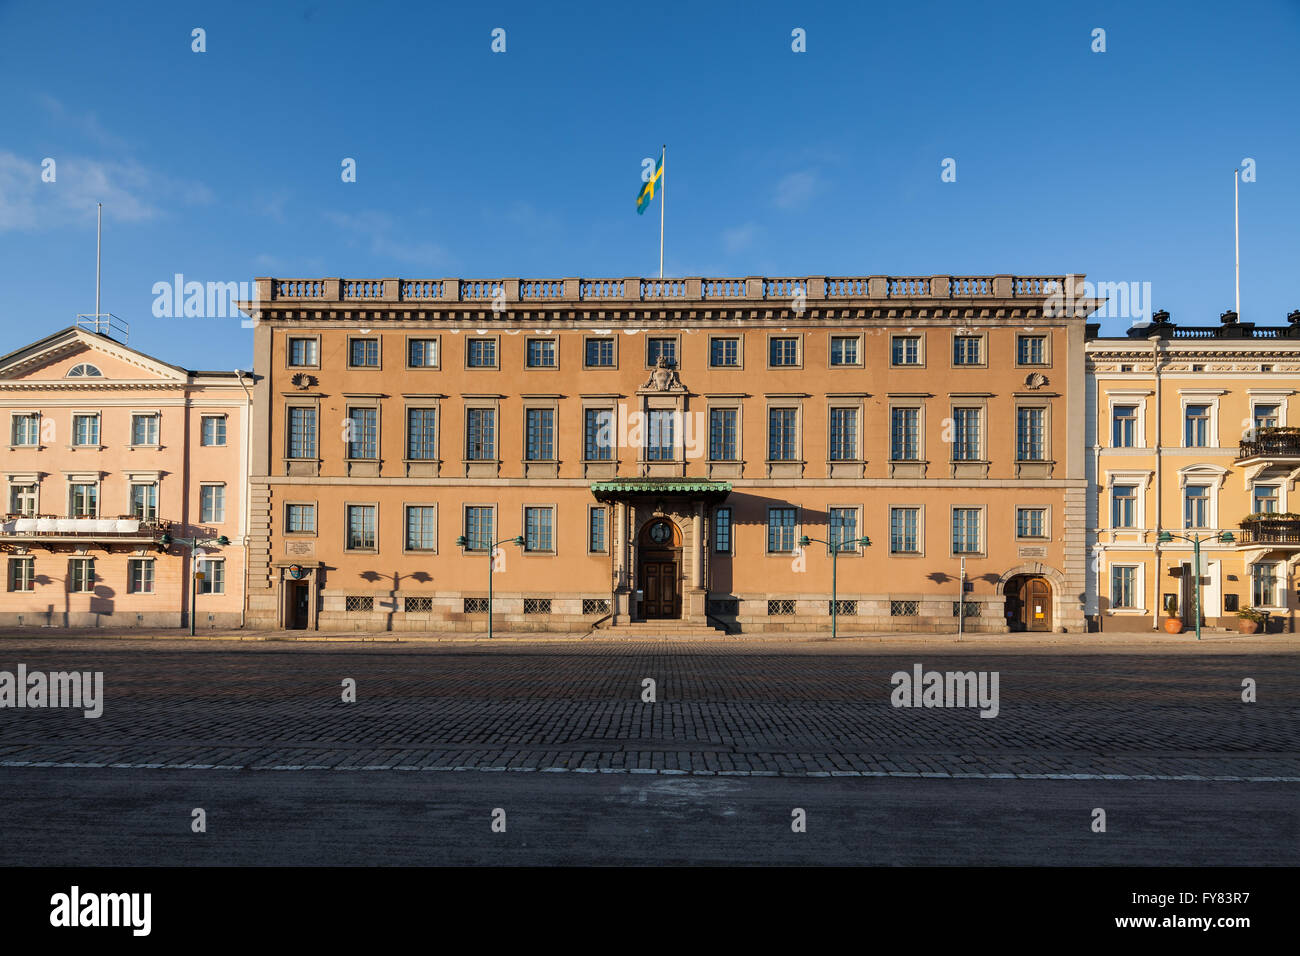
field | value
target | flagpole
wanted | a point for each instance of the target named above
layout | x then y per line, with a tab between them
1236	237
663	192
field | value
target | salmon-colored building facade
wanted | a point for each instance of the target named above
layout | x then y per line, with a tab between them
114	461
660	448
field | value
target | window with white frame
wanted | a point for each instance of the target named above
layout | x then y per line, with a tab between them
966	443
421	528
1124	591
1196	426
1031	350
967	350
212	504
1031	434
139	575
780	530
905	350
22	499
302	432
1124	422
421	434
144	501
845	350
363	433
783	350
214	575
22	574
304	353
1264	591
363	353
904	530
539	524
85	429
598	434
480	434
422	353
661	434
843	530
724	434
144	428
81	575
25	429
596	529
83	500
540	353
1196	506
1264	499
844	434
1265	415
904	434
722	531
361	527
479	520
966	531
212	430
1031	522
300	518
1123	506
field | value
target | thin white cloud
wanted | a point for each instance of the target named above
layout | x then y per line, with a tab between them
129	191
739	237
796	189
380	232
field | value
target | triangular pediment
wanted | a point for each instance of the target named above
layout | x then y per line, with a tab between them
82	353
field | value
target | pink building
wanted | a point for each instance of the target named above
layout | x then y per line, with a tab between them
115	462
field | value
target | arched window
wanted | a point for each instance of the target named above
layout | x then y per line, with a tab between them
83	369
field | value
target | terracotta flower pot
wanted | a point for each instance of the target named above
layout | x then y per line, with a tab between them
1173	625
1247	626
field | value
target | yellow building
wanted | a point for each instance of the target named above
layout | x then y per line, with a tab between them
1194	435
661	448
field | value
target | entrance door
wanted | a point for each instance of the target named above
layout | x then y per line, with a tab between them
1038	605
298	607
660	597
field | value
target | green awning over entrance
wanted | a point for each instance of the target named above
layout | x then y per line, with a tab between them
622	488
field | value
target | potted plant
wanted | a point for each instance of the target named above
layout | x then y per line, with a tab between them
1173	623
1251	621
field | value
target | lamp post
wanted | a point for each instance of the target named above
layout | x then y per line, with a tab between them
463	542
1225	537
835	554
167	540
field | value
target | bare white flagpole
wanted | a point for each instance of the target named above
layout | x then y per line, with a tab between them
1236	235
99	227
663	179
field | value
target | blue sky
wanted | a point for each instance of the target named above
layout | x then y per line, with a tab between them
225	165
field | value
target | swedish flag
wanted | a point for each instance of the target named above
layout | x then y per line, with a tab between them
647	192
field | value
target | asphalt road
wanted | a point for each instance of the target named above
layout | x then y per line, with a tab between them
559	739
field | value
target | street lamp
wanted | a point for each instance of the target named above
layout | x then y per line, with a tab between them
463	542
165	543
1225	537
836	548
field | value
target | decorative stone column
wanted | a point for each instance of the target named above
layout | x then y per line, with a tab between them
694	605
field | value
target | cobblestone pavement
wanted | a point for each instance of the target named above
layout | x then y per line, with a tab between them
258	735
807	709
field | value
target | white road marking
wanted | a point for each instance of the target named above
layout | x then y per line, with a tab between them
917	774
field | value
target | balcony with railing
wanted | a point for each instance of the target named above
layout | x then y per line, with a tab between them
1280	444
50	531
1280	530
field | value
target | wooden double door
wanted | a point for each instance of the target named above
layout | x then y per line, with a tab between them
1029	603
659	581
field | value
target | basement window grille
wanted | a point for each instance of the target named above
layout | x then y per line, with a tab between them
904	608
595	606
780	608
972	608
476	605
841	607
419	605
537	605
354	602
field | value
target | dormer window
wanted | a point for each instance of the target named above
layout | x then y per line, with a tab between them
83	369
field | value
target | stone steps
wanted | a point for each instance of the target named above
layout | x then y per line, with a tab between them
663	629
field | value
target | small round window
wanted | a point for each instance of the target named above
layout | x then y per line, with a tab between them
83	369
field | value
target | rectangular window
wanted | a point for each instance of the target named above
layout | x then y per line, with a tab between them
1031	522
541	353
596	529
363	353
480	434
1031	350
537	529
844	350
1264	499
300	519
144	429
722	531
904	434
1263	585
85	429
724	353
482	353
302	433
1031	435
600	353
144	502
1196	506
422	353
1123	506
966	350
782	351
843	527
420	528
26	429
654	348
905	350
303	353
81	575
722	434
903	525
22	500
422	434
361	527
1196	431
85	501
965	531
1265	416
539	429
363	433
844	434
139	575
1123	587
661	439
782	434
212	430
214	576
22	574
478	528
1124	422
966	434
780	529
598	434
212	504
